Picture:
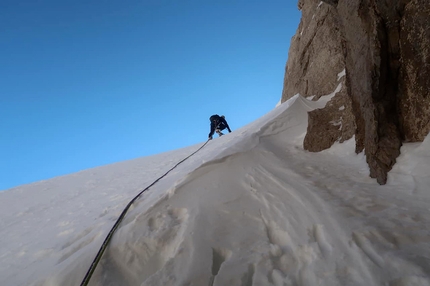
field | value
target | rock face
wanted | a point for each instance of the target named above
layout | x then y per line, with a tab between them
316	65
414	38
385	96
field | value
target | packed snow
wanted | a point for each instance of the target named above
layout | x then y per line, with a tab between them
251	208
341	74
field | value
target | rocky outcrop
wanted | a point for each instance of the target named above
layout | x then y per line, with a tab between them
315	57
384	48
316	65
333	123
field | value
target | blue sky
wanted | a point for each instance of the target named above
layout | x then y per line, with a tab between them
87	84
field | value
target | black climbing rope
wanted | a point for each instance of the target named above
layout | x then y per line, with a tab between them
121	217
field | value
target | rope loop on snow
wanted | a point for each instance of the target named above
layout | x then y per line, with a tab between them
102	249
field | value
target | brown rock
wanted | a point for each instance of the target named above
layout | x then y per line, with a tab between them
385	50
333	123
316	57
414	107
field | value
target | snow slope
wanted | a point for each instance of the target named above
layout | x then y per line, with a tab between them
250	208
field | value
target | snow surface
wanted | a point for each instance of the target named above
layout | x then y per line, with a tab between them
341	74
250	208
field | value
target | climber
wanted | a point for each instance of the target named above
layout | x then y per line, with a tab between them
218	123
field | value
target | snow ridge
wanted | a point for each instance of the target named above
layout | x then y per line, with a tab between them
251	208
